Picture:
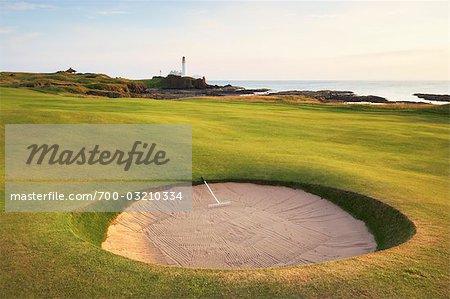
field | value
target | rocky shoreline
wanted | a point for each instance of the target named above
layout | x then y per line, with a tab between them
333	96
433	97
324	96
177	87
212	91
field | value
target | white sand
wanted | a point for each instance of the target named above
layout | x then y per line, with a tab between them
265	226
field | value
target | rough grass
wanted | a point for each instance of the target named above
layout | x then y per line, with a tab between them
396	155
152	83
83	84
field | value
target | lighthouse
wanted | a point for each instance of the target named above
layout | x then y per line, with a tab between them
183	66
181	73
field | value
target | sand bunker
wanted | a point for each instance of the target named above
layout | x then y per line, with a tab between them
265	226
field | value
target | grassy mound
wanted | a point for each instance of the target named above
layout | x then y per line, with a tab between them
175	82
85	84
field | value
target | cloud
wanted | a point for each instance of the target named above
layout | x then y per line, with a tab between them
23	6
6	30
393	53
24	38
112	12
197	12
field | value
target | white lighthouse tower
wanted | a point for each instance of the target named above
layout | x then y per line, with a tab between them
183	66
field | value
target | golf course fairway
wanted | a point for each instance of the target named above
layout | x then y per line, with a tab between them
384	156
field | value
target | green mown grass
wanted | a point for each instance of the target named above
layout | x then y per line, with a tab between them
400	156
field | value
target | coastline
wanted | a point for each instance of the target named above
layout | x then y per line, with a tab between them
174	87
395	91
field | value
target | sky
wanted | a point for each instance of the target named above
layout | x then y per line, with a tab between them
249	40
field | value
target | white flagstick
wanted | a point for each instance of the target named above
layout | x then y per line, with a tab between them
218	204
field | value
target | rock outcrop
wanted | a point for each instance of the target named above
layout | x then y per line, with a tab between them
178	82
328	96
433	97
212	90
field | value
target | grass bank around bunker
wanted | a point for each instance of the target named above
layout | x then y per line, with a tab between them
264	226
388	225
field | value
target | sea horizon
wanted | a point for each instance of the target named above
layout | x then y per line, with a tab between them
392	90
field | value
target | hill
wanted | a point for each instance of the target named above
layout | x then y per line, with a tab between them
82	83
177	82
91	84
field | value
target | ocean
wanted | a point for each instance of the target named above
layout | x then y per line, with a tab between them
391	90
